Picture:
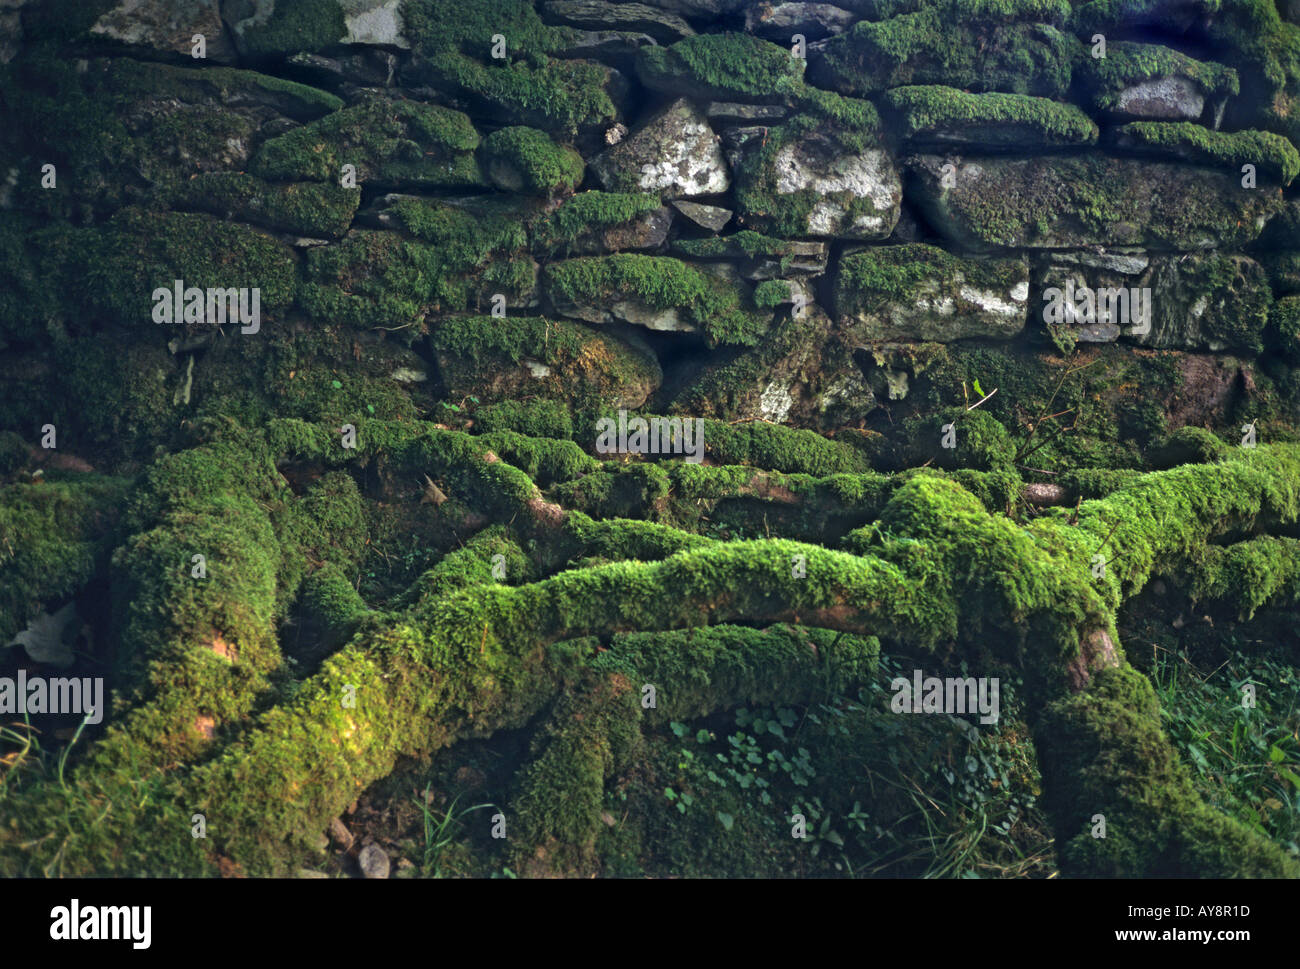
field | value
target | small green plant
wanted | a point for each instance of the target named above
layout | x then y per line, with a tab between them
441	831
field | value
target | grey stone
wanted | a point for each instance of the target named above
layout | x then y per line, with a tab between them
780	21
377	22
373	861
1161	98
1129	262
665	27
675	154
340	834
618	46
804	376
167	26
710	217
946	297
801	257
1190	301
724	113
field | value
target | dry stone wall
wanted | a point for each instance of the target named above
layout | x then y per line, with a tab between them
792	212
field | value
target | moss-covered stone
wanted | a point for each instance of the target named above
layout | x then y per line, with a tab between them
1062	202
808	178
499	359
303	25
139	252
305	208
659	292
53	538
376	278
1271	154
920	292
1132	80
931	113
393	143
453	44
527	161
978	46
598	221
725	67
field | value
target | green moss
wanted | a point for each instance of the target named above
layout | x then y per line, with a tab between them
578	217
764	206
130	417
139	252
890	293
947	113
13	452
1188	445
1109	407
53	538
141	80
981	442
727	67
304	25
661	283
332	606
1110	757
894	272
780	448
525	160
399	143
771	293
1283	270
586	366
751	244
1246	575
1127	63
1268	152
1284	327
454	42
1061	201
592	733
468	26
537	418
377	278
309	208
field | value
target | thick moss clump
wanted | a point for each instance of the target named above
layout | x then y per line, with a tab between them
231	86
305	208
536	418
936	113
787	449
1111	758
659	283
375	278
53	537
1268	152
728	67
303	25
527	161
397	143
138	252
